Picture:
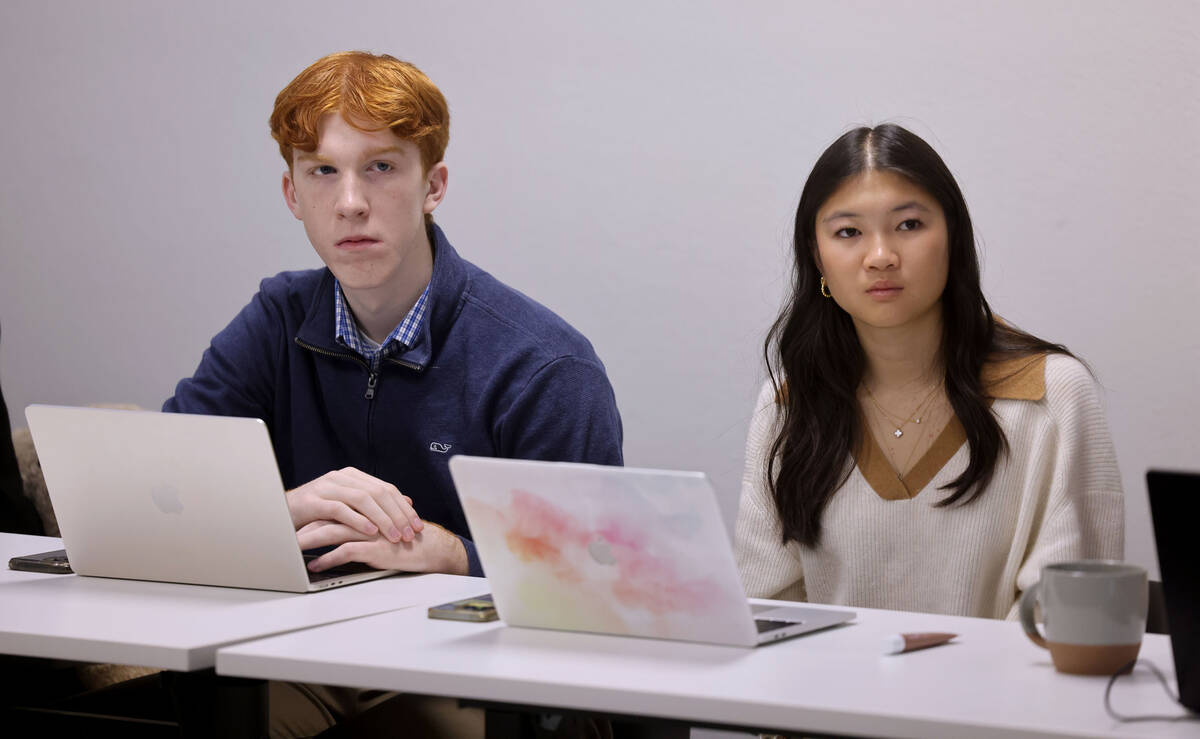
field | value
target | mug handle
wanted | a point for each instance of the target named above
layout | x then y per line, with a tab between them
1028	601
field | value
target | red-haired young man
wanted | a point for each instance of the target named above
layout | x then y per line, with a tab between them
373	371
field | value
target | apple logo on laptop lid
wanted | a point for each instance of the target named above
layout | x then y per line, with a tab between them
600	551
166	498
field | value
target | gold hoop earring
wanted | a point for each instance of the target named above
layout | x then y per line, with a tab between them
825	289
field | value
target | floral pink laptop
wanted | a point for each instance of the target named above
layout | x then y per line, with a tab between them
615	550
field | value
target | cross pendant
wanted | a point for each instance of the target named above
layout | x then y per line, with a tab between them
897	433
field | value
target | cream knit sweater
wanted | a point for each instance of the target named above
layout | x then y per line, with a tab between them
1055	496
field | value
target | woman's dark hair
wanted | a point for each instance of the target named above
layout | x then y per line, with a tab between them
816	363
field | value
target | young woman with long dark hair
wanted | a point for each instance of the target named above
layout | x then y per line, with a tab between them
910	450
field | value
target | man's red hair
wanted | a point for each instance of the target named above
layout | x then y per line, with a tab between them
371	92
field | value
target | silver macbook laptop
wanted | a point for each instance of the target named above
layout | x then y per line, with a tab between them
615	550
181	498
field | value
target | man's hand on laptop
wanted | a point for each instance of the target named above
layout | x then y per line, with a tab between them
366	504
432	550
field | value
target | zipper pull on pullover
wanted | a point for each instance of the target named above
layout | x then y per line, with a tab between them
372	378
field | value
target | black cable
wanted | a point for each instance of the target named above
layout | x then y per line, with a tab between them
1150	717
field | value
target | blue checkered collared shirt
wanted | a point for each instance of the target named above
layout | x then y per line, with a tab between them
399	339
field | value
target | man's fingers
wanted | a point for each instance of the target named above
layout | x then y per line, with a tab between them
325	498
370	503
435	550
400	511
326	533
354	551
336	510
361	501
309	527
328	559
366	494
395	505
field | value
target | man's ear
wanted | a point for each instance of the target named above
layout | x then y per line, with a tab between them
436	180
289	195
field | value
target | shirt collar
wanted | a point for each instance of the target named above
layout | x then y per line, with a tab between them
401	337
1018	378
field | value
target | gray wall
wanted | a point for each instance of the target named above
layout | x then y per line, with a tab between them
633	165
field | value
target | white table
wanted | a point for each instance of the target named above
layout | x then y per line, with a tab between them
179	628
992	682
172	626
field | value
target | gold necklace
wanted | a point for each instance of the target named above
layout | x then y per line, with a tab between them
901	470
894	419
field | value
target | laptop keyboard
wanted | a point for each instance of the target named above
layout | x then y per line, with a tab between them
765	625
350	568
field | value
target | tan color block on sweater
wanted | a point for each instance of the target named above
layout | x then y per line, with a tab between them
1020	378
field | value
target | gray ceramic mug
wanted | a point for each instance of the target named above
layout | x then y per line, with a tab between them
1093	612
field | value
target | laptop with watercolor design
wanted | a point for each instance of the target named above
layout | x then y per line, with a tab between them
615	550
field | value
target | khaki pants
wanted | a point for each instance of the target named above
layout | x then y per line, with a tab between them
301	710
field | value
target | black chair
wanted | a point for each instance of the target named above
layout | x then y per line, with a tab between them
17	512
